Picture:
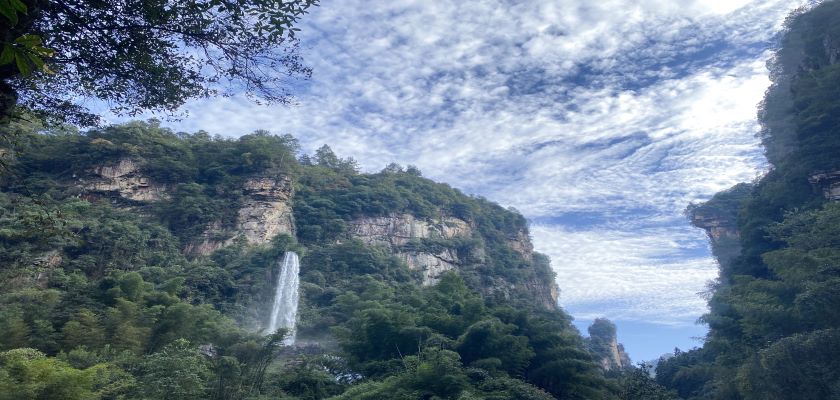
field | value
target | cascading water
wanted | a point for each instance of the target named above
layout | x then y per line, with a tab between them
284	311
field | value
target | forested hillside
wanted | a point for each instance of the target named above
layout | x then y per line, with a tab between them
775	327
141	263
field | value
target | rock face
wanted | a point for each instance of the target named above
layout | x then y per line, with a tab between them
603	343
265	213
547	292
828	183
432	264
521	243
124	180
723	235
716	226
719	218
401	232
397	230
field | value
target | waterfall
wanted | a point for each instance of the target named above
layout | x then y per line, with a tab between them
284	311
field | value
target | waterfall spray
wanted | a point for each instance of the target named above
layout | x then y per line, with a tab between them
284	311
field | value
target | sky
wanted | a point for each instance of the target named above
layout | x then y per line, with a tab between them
599	121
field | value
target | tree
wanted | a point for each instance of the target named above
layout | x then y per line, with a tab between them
637	384
145	55
29	374
176	372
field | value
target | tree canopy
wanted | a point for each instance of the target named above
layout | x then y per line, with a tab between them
140	55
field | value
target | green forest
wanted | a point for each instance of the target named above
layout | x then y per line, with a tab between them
140	262
773	327
101	299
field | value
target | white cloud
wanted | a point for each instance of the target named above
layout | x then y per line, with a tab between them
621	110
644	274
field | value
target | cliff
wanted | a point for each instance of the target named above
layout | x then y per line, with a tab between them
139	239
394	232
257	207
827	183
774	297
122	180
265	212
719	218
603	344
434	246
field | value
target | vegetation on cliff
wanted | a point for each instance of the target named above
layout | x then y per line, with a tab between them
100	299
773	319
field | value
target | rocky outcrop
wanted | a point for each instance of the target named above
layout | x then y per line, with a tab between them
724	237
265	213
716	226
123	180
603	344
828	183
397	230
521	243
546	292
719	218
213	238
432	264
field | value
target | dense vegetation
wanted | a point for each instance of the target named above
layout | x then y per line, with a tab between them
98	298
774	318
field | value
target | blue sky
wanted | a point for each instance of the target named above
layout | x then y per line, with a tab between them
599	121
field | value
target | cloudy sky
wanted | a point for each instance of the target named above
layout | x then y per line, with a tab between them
600	121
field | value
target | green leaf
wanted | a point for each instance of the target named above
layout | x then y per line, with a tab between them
37	61
19	6
23	64
8	54
9	13
29	40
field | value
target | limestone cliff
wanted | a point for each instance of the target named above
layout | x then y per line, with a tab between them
266	212
404	235
546	291
521	243
828	183
719	218
122	180
397	230
603	343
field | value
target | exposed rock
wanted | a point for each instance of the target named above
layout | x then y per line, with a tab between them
828	183
723	235
397	230
124	180
50	259
716	227
719	218
432	265
603	343
213	238
46	263
546	292
265	213
521	243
